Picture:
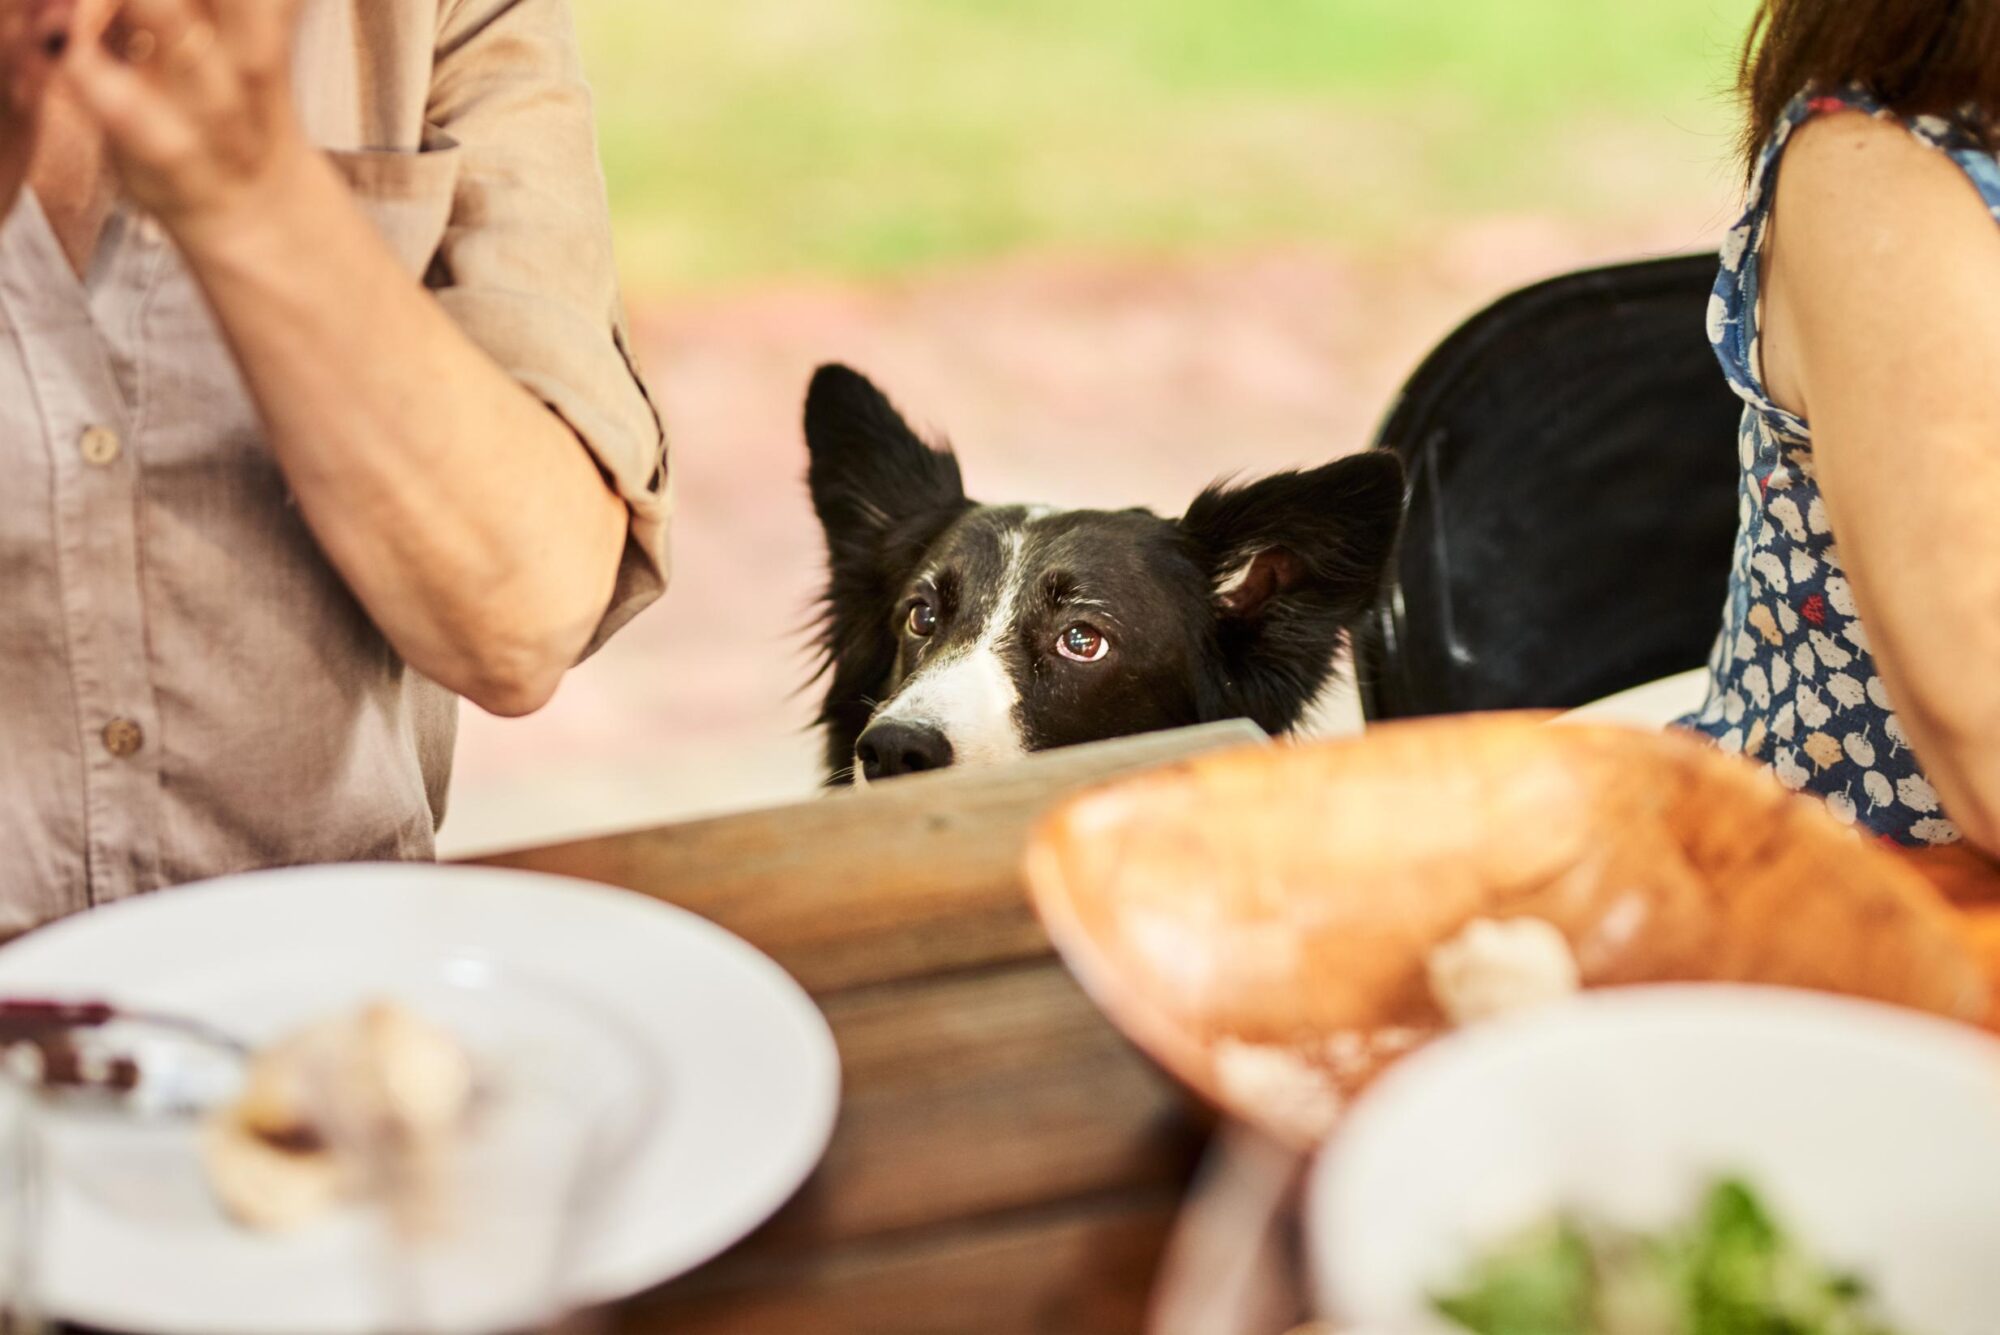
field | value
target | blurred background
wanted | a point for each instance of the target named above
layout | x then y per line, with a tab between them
1111	248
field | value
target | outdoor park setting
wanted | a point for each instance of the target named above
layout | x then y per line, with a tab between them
1118	248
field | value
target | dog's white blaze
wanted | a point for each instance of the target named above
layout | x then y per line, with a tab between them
970	697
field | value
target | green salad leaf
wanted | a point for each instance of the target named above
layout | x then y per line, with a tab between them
1539	1283
1729	1271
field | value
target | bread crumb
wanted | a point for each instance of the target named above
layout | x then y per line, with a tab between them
1287	1091
1492	967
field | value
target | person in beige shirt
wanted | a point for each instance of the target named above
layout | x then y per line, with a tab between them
317	413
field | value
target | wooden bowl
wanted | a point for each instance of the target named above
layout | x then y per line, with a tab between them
1259	920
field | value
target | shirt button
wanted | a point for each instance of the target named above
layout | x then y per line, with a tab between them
99	445
123	737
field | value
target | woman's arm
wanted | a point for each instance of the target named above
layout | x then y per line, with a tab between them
1882	326
465	515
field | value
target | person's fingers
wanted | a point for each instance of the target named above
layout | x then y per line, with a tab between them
244	27
16	53
141	30
15	20
33	34
184	54
139	120
89	18
257	32
51	16
33	20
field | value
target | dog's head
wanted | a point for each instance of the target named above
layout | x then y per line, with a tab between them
959	633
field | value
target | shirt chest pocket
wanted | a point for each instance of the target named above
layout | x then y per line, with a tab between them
407	195
190	375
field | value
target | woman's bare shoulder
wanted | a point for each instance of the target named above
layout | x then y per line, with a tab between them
1850	179
1878	241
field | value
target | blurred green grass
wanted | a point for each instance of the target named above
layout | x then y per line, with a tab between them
770	139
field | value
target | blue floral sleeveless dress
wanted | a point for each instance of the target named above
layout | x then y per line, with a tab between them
1791	682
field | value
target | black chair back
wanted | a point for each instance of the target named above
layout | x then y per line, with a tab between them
1573	499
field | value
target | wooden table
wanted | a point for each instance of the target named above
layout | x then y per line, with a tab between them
1005	1161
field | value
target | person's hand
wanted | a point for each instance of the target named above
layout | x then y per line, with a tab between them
195	99
33	34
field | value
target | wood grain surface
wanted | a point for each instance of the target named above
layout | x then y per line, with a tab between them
1005	1161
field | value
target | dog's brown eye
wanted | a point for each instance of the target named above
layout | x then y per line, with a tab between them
922	619
1082	644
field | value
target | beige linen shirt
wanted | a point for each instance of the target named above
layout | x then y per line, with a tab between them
186	686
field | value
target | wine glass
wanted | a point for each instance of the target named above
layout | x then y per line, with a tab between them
20	1208
484	1231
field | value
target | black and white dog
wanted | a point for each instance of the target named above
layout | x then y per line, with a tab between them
960	633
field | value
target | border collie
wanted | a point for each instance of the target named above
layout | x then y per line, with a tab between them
956	633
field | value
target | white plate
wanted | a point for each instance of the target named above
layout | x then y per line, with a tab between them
1651	705
1872	1133
748	1074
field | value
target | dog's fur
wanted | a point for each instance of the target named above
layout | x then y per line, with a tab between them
1235	610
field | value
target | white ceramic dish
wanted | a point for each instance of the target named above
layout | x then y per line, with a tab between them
1872	1132
1651	705
745	1069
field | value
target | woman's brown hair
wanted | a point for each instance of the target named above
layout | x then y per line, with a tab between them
1919	57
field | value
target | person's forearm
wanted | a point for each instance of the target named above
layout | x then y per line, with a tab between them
464	514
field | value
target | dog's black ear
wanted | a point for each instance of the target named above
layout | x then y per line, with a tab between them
869	472
882	496
1293	559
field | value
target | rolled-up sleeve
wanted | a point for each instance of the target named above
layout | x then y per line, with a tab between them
525	267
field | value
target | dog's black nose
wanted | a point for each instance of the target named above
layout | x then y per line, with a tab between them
889	747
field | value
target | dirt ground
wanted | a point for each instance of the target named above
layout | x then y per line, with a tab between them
1067	380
